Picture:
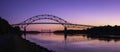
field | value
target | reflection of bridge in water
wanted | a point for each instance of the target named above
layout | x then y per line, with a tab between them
58	20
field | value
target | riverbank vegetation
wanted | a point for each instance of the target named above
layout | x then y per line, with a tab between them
100	30
11	40
6	28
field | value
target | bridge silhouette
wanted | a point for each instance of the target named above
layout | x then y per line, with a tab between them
58	20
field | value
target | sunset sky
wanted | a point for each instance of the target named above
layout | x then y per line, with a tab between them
89	12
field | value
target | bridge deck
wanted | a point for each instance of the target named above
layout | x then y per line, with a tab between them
55	23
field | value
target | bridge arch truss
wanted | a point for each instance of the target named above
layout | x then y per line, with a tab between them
61	21
44	16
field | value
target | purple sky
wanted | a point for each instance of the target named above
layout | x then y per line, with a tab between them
92	12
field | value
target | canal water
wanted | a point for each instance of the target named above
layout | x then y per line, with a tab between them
75	42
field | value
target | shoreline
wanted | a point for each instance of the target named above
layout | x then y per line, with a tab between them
14	43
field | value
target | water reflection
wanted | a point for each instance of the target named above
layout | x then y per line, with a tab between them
107	38
76	42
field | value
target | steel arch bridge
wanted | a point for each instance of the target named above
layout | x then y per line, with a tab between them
59	20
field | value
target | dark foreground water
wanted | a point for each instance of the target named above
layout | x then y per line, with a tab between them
75	43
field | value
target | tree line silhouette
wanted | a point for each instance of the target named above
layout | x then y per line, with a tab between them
104	30
6	28
10	41
101	30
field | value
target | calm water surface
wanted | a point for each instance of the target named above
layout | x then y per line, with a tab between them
74	43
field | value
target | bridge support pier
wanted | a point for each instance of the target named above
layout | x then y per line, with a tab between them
65	33
65	29
24	30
